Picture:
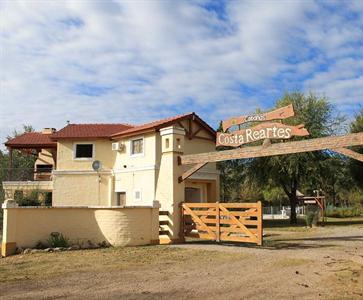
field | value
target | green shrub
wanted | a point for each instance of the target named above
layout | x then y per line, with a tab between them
57	239
312	216
344	212
28	200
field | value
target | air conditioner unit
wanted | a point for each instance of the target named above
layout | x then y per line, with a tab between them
118	147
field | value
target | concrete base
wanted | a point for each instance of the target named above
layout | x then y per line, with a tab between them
8	248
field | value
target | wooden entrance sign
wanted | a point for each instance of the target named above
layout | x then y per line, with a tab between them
326	143
277	114
268	131
260	132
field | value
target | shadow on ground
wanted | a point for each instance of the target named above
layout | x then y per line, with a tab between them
267	244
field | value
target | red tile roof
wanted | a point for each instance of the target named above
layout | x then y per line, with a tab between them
31	140
89	131
73	131
155	125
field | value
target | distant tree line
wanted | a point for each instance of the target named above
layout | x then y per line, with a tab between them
276	179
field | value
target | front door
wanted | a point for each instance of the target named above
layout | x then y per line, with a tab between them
193	195
121	198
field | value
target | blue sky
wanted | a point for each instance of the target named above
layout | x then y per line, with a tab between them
135	61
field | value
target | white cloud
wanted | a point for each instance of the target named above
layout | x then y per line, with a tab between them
132	61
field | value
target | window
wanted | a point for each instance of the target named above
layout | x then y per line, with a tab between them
167	143
137	146
137	195
84	151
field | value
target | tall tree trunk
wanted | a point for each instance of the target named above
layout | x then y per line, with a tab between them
293	201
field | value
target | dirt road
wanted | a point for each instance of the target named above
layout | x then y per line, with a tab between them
322	263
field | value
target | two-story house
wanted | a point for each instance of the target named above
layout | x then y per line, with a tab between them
137	165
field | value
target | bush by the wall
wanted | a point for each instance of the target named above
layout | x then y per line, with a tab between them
57	239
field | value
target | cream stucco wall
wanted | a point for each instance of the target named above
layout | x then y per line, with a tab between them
82	188
102	152
25	226
154	173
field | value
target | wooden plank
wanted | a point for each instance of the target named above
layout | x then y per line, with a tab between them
277	114
242	214
244	222
191	171
240	205
238	223
197	219
316	144
218	230
349	153
198	205
259	225
204	212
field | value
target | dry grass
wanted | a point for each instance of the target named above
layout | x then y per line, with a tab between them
291	262
46	265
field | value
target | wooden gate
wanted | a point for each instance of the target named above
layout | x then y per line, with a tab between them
236	222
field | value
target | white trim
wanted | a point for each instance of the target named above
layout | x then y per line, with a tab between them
172	130
81	172
136	168
143	146
84	158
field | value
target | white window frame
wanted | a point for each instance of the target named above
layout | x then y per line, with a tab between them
137	191
143	146
84	158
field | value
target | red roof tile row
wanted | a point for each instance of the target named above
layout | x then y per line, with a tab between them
32	140
89	131
72	131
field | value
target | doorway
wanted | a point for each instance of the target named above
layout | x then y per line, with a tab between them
193	195
121	199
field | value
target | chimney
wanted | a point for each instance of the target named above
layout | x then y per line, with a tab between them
48	130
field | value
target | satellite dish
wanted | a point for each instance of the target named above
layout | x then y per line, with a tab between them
96	165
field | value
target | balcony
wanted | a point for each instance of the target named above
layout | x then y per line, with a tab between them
40	173
27	180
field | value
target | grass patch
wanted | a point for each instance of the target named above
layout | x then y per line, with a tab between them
46	265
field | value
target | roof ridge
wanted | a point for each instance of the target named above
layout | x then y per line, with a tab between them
92	124
165	119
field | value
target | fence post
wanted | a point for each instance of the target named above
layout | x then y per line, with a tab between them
181	233
218	224
259	223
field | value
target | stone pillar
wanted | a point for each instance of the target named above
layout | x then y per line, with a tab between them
170	192
8	245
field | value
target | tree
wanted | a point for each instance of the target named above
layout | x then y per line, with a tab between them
231	176
21	162
289	172
355	166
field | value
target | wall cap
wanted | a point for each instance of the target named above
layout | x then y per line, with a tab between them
172	130
77	207
10	203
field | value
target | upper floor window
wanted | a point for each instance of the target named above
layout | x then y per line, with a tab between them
137	146
84	151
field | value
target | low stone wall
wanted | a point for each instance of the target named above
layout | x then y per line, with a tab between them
118	226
